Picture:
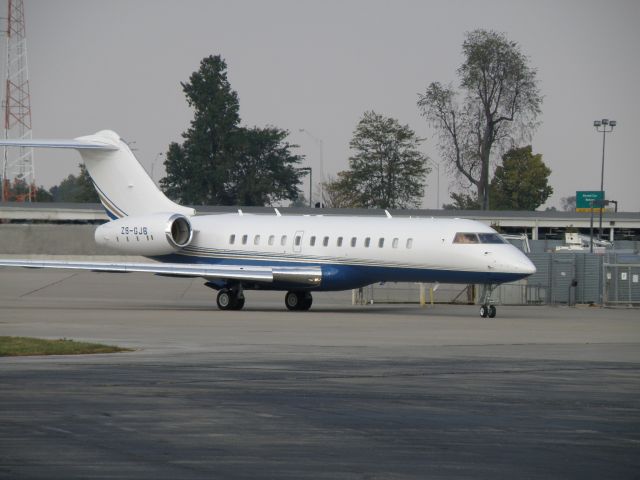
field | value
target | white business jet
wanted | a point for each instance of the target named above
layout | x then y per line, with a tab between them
234	253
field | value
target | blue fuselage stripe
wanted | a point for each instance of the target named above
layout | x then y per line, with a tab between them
345	276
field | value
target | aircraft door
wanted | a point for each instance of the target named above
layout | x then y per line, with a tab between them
297	241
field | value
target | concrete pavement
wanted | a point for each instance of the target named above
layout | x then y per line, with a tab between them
338	392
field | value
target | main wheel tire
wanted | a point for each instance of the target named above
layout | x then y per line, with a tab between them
492	311
292	300
484	311
307	300
238	304
225	299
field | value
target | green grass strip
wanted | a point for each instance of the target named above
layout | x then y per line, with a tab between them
24	346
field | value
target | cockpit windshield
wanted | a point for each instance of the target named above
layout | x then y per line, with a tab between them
468	237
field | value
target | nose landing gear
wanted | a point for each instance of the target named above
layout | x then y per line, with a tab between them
488	309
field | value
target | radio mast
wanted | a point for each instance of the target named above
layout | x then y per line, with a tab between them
17	164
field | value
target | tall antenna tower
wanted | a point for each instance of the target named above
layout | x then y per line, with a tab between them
17	163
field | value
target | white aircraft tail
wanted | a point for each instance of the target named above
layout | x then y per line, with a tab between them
122	184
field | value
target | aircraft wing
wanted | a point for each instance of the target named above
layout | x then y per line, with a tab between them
304	276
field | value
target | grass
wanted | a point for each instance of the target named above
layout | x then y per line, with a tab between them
25	346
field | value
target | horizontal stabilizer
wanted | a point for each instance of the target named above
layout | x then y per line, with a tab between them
124	187
76	144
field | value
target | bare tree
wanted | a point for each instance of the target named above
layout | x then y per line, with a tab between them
499	107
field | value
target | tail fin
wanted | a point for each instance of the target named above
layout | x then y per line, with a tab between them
122	184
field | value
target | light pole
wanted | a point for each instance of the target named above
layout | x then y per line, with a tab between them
308	169
153	164
320	144
605	126
437	164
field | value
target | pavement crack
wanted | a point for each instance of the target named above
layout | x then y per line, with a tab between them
49	285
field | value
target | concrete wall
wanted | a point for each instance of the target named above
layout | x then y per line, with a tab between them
29	239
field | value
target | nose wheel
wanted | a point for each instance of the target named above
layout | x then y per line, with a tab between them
487	309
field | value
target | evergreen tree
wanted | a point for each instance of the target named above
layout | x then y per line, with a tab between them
386	171
221	162
521	182
74	189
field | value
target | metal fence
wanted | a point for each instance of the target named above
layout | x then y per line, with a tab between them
621	284
611	279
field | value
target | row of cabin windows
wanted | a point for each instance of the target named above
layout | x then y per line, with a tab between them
313	240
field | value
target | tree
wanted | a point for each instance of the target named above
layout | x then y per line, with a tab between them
74	189
568	203
335	195
501	102
462	201
221	162
387	170
521	182
43	195
19	190
264	170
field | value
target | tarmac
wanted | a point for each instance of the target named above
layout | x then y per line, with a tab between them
339	392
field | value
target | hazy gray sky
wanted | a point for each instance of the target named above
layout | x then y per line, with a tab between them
319	65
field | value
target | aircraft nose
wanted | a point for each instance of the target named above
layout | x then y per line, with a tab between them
525	266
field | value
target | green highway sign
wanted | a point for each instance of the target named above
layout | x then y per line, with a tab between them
585	200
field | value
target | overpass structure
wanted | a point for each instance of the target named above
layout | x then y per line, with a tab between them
536	225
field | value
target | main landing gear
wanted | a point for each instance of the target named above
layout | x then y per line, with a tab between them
487	309
229	299
233	299
298	300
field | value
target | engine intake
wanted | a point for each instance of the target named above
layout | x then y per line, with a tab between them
149	235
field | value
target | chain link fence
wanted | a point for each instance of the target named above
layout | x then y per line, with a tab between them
609	279
621	284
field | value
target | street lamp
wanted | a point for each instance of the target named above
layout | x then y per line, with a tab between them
437	164
153	164
605	126
320	144
308	169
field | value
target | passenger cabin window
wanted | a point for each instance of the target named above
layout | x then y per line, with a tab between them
283	240
380	242
312	241
256	240
409	243
232	239
325	242
339	241
367	242
272	239
394	244
244	239
354	240
298	239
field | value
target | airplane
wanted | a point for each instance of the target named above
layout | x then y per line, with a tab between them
298	254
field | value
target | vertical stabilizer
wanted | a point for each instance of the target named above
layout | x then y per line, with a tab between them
122	184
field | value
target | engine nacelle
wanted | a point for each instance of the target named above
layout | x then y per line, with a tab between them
148	235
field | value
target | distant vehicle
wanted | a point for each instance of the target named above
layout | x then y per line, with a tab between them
235	253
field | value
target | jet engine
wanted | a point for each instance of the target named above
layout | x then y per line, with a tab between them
148	235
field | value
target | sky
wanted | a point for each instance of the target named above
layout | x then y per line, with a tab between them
319	65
